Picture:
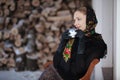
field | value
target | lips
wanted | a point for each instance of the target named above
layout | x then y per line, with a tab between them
77	27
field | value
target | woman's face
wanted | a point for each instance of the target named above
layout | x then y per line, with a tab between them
80	20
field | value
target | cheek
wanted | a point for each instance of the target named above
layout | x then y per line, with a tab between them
84	24
77	23
80	23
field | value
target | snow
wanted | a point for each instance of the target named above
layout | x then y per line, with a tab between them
23	75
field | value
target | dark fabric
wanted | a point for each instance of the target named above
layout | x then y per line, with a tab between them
78	64
91	21
80	34
65	35
81	40
87	46
50	74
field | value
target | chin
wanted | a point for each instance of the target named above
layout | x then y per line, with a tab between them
81	29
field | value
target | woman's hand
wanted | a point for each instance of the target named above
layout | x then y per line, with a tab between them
65	35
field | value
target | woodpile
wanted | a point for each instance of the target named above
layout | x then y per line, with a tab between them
30	31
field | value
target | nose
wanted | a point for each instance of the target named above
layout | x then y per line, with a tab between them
76	24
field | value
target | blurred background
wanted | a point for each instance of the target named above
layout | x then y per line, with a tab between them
30	33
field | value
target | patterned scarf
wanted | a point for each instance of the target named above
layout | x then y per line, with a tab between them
67	50
91	22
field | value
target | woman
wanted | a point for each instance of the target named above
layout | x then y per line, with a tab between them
79	46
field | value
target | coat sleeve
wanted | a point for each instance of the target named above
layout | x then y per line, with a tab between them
58	55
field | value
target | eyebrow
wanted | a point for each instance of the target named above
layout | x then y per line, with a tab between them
77	18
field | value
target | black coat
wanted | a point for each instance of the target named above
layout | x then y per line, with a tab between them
84	50
87	46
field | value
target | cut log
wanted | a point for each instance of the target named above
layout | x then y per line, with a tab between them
46	50
35	3
27	3
18	43
3	1
3	61
20	62
1	12
1	45
44	60
58	4
60	18
6	12
7	21
6	35
14	20
8	50
49	33
1	65
2	20
49	39
57	34
3	54
63	13
12	6
46	65
1	27
11	61
32	60
12	37
41	67
72	5
40	37
53	50
20	2
52	45
17	37
54	27
14	31
49	58
30	47
39	45
19	51
48	25
57	40
40	27
49	11
1	35
19	15
18	40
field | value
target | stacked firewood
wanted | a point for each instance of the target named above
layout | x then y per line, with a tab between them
30	31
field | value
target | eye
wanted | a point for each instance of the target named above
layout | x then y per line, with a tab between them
73	21
78	19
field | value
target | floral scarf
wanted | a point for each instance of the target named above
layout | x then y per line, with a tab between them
67	50
91	22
